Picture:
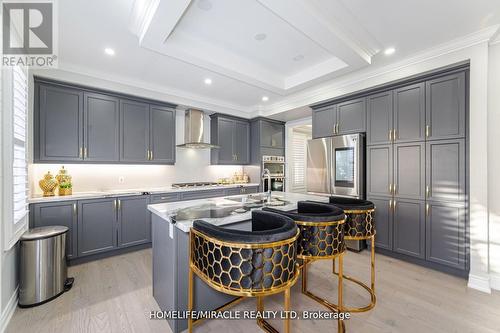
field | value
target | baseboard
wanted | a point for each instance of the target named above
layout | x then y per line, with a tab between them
495	281
8	311
479	283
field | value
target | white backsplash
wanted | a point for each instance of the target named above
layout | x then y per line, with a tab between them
191	165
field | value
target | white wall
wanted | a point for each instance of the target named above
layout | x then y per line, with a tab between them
494	163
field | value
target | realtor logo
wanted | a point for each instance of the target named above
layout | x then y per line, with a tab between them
28	34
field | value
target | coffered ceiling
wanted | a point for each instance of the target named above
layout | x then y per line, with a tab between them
251	49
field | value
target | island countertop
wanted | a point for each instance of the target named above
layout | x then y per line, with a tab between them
167	211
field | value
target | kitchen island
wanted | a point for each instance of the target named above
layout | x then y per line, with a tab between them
171	223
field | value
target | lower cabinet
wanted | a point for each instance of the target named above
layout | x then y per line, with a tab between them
57	213
134	221
435	231
409	227
96	226
446	234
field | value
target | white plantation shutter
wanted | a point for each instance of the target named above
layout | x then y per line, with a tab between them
19	144
299	155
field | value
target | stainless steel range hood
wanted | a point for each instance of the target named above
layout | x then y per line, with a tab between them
193	130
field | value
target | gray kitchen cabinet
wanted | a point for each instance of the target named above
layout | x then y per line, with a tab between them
134	221
409	113
58	213
232	135
445	176
101	128
58	124
383	222
446	235
445	107
134	131
323	122
272	134
409	227
409	170
203	194
351	116
162	134
379	174
242	190
164	197
97	226
379	118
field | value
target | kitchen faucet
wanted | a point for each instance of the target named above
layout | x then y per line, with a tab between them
266	173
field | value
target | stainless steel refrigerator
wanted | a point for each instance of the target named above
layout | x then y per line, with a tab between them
335	167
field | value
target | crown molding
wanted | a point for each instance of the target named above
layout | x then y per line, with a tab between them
327	90
70	73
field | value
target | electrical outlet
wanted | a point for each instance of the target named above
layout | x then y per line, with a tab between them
121	179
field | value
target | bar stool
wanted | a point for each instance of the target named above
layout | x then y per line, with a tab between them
255	263
321	237
360	225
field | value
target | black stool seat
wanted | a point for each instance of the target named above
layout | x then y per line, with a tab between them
321	229
349	204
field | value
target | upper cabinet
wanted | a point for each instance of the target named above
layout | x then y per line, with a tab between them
58	124
232	135
445	107
268	138
272	134
343	118
74	124
409	113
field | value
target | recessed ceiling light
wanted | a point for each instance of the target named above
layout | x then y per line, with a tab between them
204	4
109	51
389	51
260	37
265	98
208	81
298	57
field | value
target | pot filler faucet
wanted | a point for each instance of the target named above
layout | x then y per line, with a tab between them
267	174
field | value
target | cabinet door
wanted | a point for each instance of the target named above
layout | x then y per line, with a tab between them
60	128
241	142
445	107
225	141
383	222
409	113
101	128
409	170
96	226
58	213
272	134
446	234
446	170
409	227
162	134
379	118
323	122
134	136
351	116
134	221
379	172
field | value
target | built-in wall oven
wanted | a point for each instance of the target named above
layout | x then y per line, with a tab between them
335	167
276	167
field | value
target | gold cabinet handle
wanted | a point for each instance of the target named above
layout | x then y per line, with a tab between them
337	128
80	154
114	205
427	209
74	209
390	188
119	205
427	192
427	131
390	204
395	189
394	203
151	155
85	155
394	135
390	135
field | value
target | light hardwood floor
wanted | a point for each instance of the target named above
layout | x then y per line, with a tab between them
114	295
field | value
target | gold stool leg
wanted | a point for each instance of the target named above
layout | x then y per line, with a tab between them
190	299
340	323
371	289
287	311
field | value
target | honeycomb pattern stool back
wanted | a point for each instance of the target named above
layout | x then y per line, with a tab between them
253	263
360	217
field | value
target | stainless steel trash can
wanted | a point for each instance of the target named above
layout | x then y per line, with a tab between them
43	265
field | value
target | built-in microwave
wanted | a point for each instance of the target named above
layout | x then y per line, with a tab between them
275	165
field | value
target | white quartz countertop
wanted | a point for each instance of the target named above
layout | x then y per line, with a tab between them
126	192
168	210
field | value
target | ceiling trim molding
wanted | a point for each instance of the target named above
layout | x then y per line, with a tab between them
70	72
320	93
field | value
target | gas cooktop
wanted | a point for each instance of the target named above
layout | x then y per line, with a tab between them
197	184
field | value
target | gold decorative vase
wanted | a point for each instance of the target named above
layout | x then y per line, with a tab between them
65	184
48	184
